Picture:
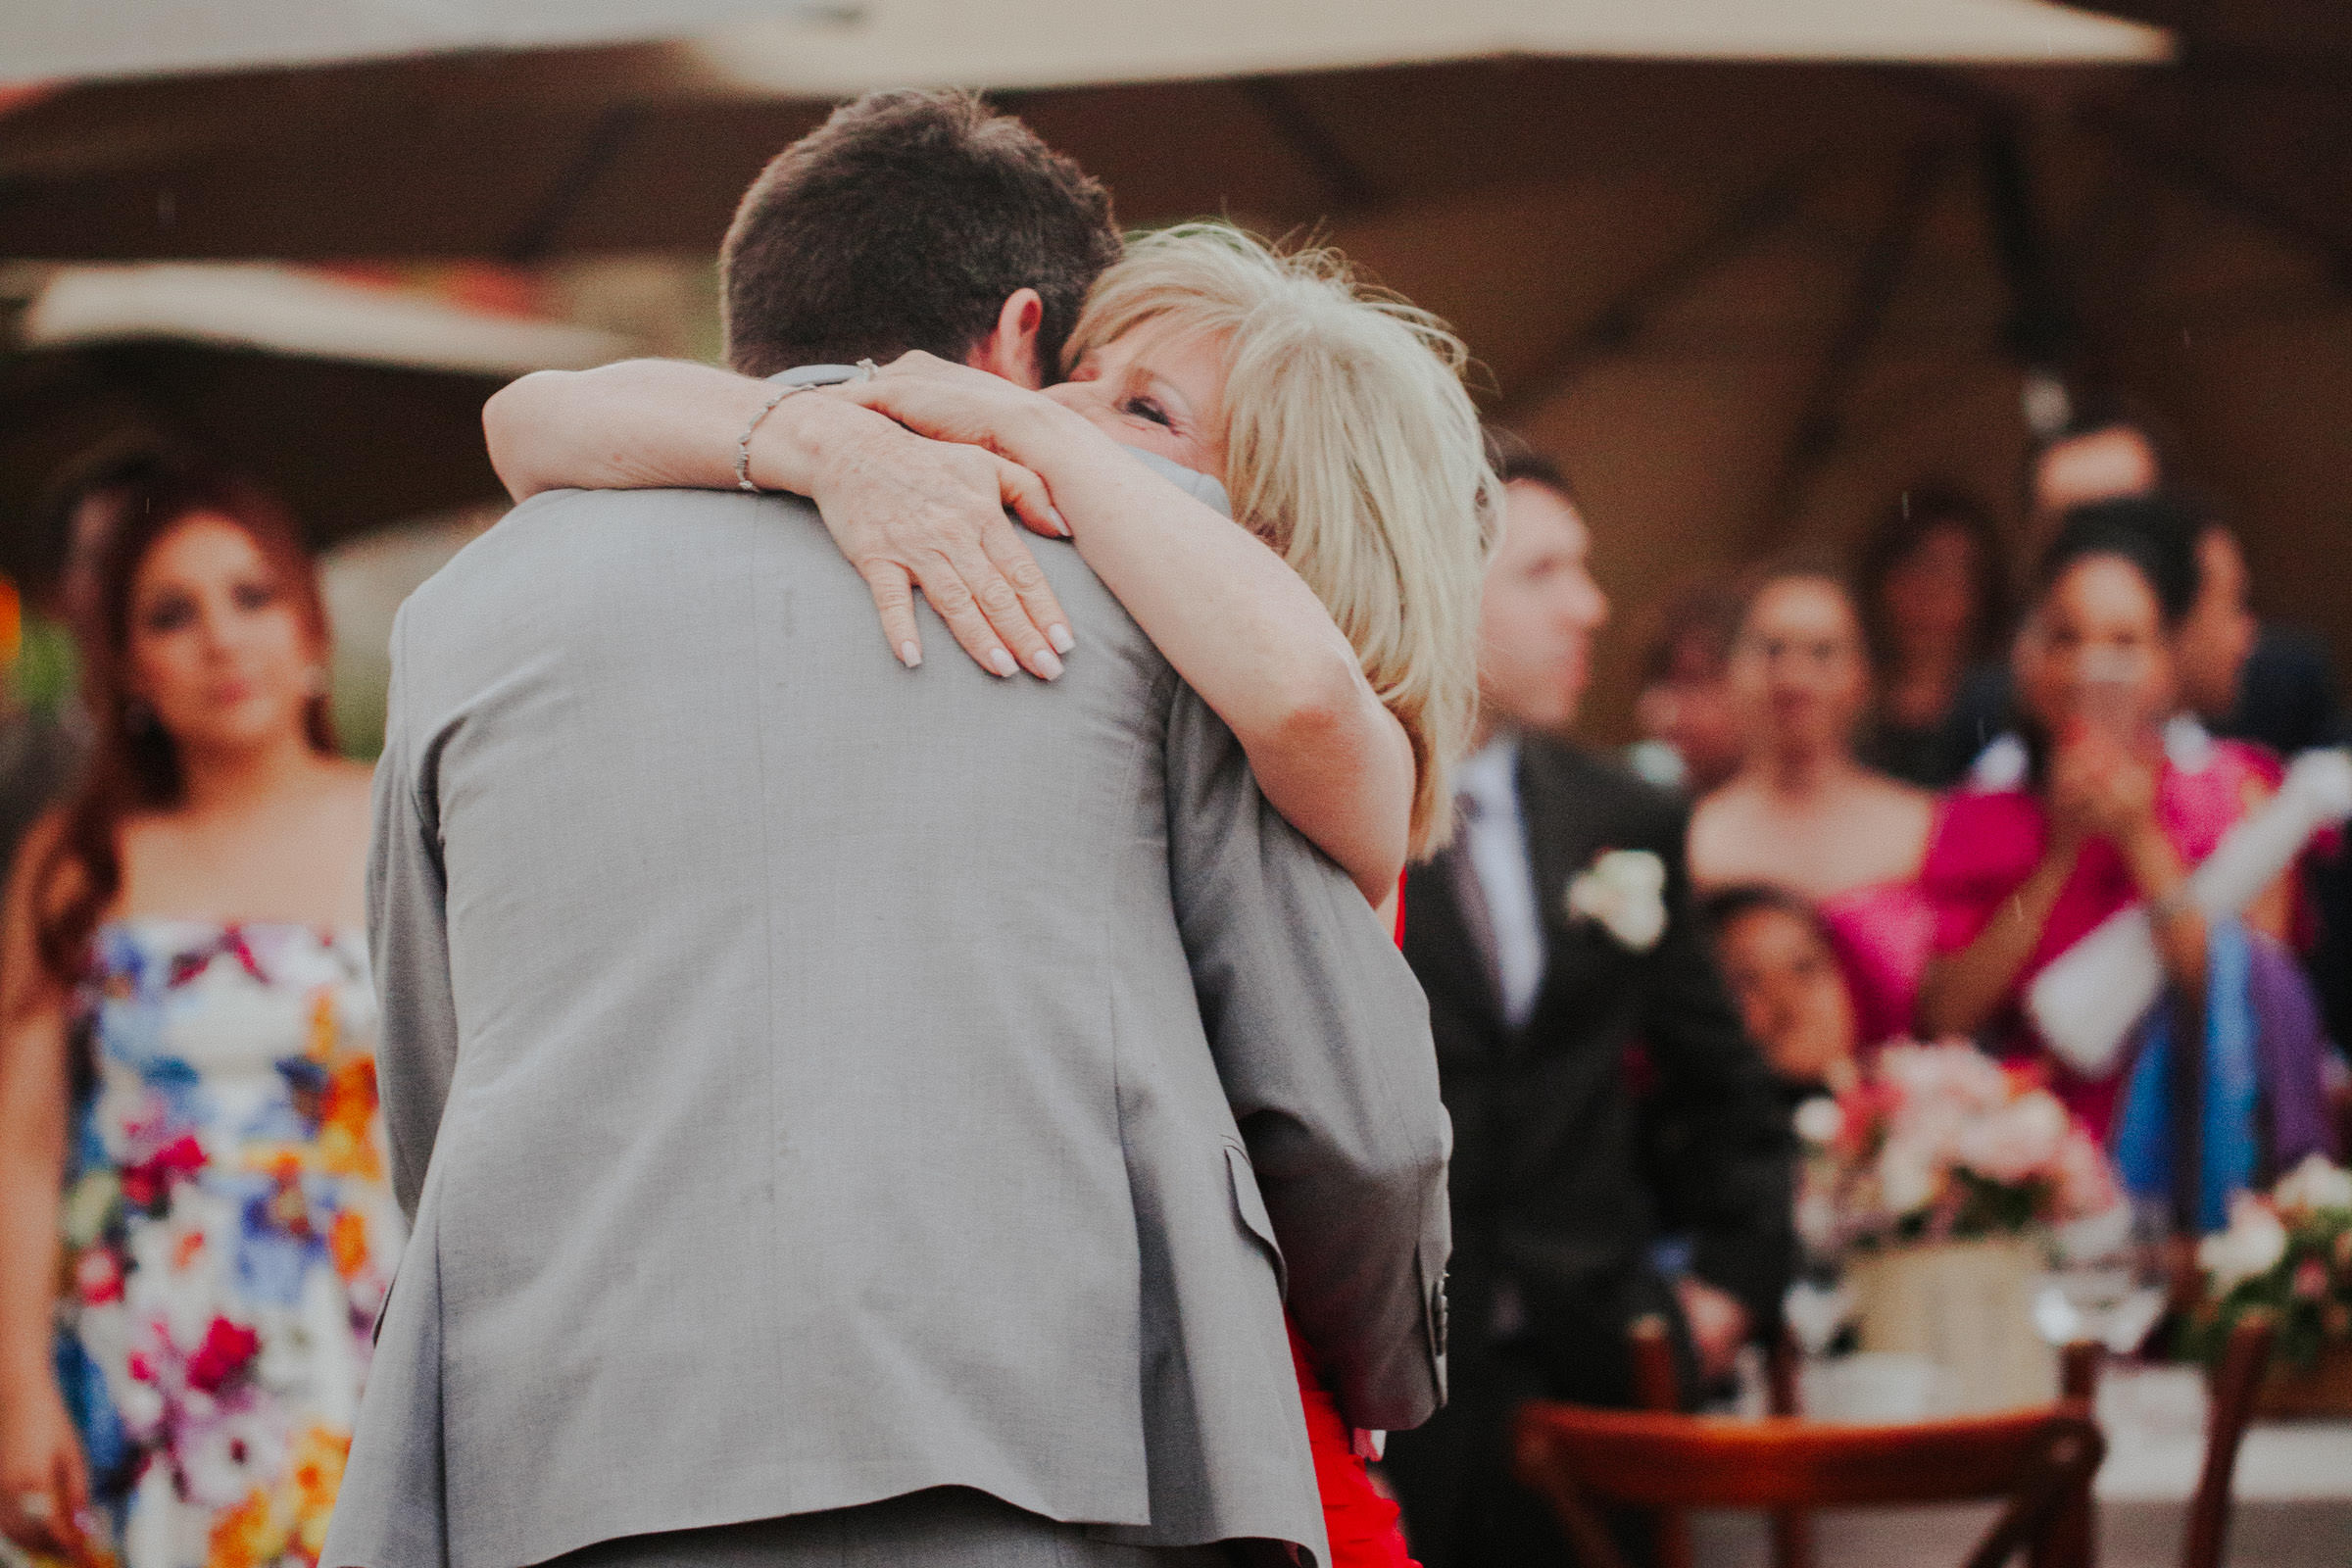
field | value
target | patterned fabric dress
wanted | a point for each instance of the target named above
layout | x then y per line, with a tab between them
229	1234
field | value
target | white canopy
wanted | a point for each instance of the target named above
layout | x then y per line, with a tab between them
285	310
828	47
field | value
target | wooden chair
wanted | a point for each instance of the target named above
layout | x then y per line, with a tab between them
2041	1460
2236	1381
1657	1388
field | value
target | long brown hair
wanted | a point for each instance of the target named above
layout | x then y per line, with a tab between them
135	765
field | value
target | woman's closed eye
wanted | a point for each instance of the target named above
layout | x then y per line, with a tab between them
1149	409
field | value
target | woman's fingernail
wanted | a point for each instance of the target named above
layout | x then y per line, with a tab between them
1048	667
1060	636
910	653
1060	521
1001	662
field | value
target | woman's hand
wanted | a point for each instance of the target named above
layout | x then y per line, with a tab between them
2099	789
45	1480
950	401
912	513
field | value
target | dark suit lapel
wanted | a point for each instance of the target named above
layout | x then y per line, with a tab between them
1560	843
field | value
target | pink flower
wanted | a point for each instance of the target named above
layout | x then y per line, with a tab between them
225	1349
2311	1280
2017	1143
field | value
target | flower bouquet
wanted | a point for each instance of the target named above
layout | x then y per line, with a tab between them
2288	1253
1941	1178
1942	1143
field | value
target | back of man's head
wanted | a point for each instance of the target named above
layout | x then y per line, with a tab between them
904	222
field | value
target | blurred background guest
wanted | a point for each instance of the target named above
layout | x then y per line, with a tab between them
1804	813
2110	810
1691	737
2104	455
44	731
1554	933
1776	955
186	1064
2246	678
1935	615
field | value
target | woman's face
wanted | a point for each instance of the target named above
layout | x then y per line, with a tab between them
1693	711
1791	995
1156	388
1797	669
218	647
1931	593
2097	653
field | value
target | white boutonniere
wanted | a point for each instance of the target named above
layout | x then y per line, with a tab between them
1624	891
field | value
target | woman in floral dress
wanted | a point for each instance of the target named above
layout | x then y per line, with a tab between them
187	1091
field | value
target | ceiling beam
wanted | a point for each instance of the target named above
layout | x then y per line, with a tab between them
1346	188
1741	222
1820	425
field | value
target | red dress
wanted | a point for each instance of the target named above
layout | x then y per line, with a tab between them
1360	1520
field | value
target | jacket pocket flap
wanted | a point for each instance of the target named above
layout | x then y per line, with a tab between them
1251	1206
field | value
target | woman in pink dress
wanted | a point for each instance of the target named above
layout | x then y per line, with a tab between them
1802	814
2108	813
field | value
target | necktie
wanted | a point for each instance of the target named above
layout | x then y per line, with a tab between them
1470	896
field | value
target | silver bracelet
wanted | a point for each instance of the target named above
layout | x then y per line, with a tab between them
742	442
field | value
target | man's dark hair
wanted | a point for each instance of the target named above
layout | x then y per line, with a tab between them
1512	459
904	222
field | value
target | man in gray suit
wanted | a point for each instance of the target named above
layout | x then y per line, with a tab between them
854	1113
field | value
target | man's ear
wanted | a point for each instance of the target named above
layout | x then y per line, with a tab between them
1010	348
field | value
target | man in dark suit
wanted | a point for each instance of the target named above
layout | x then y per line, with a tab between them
1556	943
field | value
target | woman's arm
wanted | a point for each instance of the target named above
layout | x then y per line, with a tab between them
1229	613
40	1454
1232	617
907	512
1252	639
1962	991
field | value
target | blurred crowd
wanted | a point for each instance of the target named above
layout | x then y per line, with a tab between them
1881	758
1868	804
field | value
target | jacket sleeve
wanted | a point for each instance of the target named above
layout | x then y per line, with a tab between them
408	944
1321	1039
1731	1164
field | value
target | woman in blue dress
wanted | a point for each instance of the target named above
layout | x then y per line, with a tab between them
195	1223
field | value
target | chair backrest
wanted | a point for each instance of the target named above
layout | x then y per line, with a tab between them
1657	1386
2236	1381
2037	1459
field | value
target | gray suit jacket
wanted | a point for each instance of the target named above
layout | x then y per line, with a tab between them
813	1080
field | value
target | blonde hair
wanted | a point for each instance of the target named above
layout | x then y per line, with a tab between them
1352	447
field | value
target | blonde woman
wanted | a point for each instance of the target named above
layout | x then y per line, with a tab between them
1335	631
